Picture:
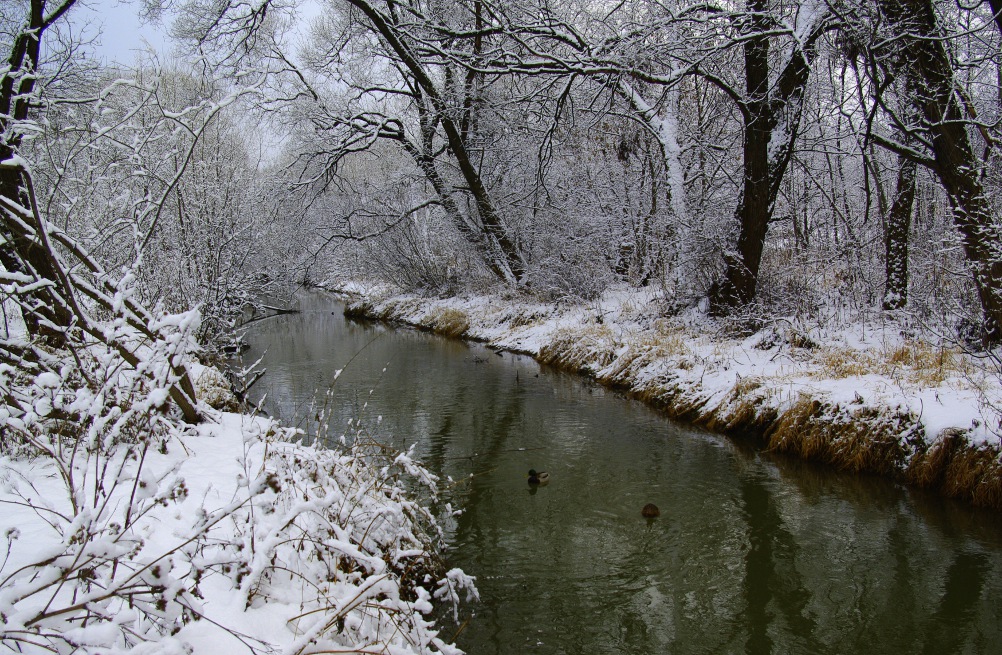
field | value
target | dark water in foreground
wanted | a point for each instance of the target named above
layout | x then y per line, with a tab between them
751	554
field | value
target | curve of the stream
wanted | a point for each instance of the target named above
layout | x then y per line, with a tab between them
751	554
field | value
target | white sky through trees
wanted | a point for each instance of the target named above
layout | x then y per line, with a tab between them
119	34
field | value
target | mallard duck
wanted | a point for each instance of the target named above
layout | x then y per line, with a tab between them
650	511
537	477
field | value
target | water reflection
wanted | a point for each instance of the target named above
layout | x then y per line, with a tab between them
750	554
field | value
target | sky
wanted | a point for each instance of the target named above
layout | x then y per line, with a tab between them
122	34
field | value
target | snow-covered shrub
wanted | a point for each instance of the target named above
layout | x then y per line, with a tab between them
79	501
125	527
337	536
100	391
112	544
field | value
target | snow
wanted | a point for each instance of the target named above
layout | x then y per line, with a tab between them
15	161
808	15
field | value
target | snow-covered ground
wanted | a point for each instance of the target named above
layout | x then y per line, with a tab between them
865	398
225	537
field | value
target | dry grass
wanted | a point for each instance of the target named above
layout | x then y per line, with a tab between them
747	416
395	309
646	349
360	309
840	363
928	466
214	390
582	348
863	440
959	469
669	340
448	321
673	344
917	362
975	474
743	411
926	364
525	319
678	402
802	340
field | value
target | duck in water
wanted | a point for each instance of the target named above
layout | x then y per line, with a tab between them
538	477
650	511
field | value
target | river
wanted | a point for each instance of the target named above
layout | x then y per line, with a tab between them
751	554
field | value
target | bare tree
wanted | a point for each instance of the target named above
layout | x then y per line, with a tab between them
24	250
771	105
920	52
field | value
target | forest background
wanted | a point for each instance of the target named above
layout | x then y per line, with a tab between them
825	161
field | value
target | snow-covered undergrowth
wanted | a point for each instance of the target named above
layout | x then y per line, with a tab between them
224	537
126	530
865	398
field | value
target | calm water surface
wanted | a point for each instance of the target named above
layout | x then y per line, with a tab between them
751	554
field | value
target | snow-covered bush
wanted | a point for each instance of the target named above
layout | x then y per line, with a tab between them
339	538
80	424
153	540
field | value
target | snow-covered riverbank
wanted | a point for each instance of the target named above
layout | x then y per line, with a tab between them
221	537
865	399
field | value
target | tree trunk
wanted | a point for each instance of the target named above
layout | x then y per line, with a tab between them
899	220
771	118
972	216
754	207
21	252
924	57
996	6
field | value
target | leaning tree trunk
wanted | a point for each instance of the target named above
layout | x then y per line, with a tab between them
924	57
48	314
972	215
48	290
501	250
